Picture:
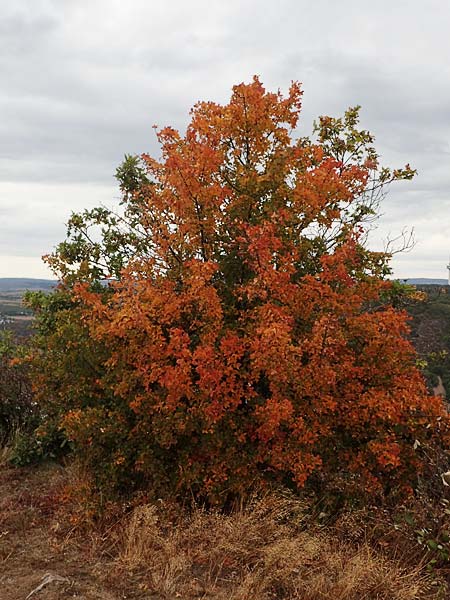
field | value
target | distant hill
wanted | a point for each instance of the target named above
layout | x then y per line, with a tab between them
13	284
424	281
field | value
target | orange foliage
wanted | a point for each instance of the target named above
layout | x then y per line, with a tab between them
254	340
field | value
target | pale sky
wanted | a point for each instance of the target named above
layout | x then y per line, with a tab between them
83	81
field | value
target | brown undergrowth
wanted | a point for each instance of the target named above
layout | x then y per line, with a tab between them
262	551
272	547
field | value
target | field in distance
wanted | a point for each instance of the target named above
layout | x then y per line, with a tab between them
13	315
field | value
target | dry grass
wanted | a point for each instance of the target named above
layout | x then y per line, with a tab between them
5	455
7	450
269	549
263	551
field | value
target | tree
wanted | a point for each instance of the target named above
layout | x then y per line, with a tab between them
246	333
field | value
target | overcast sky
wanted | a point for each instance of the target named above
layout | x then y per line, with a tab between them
83	81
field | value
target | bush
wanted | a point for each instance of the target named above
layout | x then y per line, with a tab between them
24	426
246	335
18	411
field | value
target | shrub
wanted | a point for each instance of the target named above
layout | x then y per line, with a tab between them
247	334
17	409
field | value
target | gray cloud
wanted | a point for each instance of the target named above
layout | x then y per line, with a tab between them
84	81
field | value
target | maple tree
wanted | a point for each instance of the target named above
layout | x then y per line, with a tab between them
246	333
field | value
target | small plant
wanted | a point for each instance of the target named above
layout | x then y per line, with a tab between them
436	538
43	443
439	546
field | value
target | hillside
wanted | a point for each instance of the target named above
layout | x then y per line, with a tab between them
424	281
273	548
13	284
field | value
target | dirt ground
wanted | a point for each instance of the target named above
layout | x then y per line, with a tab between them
35	544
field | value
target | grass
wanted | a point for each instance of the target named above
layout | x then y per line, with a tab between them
271	548
263	551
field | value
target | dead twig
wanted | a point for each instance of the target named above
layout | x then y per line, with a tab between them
48	578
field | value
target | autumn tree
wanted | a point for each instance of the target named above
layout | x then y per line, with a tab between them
246	334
